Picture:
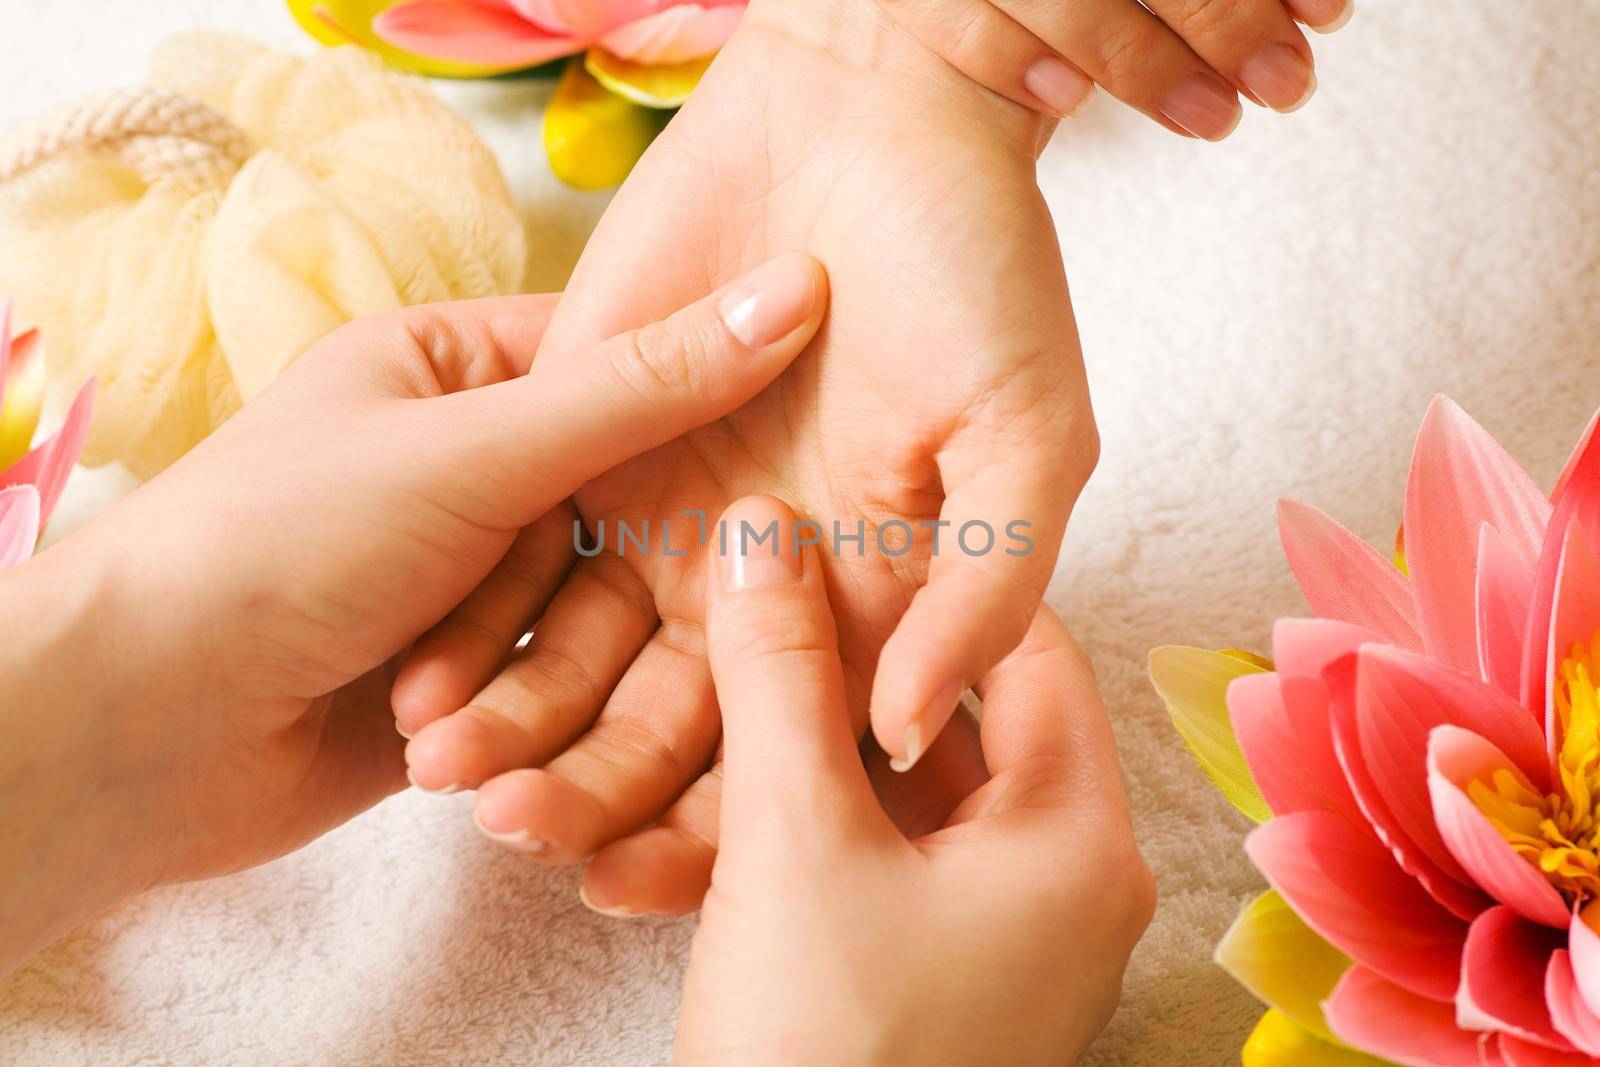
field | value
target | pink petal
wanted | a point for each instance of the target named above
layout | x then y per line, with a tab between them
1503	975
19	524
591	18
1504	594
1575	619
470	31
1305	647
1584	944
1289	777
1367	1012
1345	578
1460	479
48	466
1577	497
1446	882
1568	1012
1455	758
1518	1053
676	35
1349	890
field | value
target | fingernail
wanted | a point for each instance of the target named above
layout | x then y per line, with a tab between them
521	838
453	787
1063	89
753	556
401	730
615	913
1280	77
937	711
1203	106
771	301
1335	21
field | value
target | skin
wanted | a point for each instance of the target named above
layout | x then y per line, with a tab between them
947	385
1017	910
198	681
1146	55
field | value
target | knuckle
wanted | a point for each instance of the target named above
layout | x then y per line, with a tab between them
1204	18
1125	52
639	751
663	359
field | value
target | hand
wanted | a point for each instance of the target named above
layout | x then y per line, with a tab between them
947	386
198	681
1178	61
828	937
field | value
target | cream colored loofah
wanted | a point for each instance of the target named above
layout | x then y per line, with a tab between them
187	241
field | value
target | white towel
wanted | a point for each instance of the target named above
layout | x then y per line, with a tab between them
1267	317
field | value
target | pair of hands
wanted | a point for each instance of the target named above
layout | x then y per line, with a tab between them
199	680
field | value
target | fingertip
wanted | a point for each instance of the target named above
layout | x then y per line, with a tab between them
663	871
784	296
452	753
427	687
538	813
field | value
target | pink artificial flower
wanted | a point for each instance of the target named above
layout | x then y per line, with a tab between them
525	33
1429	750
31	486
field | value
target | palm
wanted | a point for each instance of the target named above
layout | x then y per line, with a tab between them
948	357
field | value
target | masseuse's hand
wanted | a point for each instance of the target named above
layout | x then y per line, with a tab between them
198	681
830	938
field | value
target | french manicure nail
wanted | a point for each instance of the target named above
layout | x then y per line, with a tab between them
1062	88
771	301
1203	106
1336	22
913	748
615	913
401	730
937	711
453	787
1280	77
521	838
748	562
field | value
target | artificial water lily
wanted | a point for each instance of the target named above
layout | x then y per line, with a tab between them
639	59
31	481
1424	760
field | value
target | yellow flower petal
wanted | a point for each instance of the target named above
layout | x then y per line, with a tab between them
337	22
1279	1041
662	86
24	394
1271	952
1194	682
594	137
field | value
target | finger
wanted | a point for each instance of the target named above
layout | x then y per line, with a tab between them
922	799
665	870
1324	16
655	736
456	658
532	441
991	562
1046	737
1253	42
792	764
988	46
550	691
1137	58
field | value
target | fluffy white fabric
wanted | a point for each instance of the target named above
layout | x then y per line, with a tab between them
1268	317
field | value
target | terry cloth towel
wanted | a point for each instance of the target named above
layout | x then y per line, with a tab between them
1265	317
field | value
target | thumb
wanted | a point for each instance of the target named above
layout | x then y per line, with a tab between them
539	437
790	755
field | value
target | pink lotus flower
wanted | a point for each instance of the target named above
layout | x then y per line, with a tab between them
31	482
1425	759
523	33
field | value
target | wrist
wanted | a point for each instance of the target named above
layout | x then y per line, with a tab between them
859	33
74	770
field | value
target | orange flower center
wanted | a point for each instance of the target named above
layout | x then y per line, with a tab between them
1559	832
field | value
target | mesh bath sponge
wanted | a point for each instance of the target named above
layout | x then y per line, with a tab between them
186	241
